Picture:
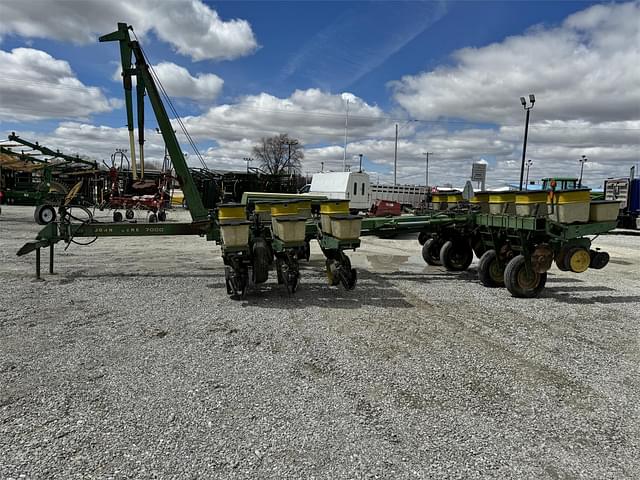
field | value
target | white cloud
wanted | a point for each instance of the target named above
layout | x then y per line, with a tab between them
586	78
37	86
190	26
312	116
179	83
587	69
586	106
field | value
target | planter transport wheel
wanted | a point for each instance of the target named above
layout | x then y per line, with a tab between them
117	216
521	281
456	256
431	252
129	214
423	237
489	271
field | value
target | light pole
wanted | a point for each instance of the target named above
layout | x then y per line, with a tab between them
523	101
360	170
395	160
582	160
395	154
346	131
529	163
248	159
426	168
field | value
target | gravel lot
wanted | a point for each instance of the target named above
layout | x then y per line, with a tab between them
131	362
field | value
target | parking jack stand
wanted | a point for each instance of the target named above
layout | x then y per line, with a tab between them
38	264
51	259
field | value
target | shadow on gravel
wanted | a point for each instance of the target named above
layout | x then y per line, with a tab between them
371	290
430	277
590	300
563	280
580	288
81	275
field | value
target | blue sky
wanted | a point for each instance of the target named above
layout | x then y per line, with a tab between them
396	61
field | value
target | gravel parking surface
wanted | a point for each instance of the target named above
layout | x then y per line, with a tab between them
132	362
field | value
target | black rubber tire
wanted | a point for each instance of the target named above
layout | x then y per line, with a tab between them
423	237
512	279
431	252
117	217
162	216
261	261
456	256
489	272
129	214
560	259
152	218
44	214
598	259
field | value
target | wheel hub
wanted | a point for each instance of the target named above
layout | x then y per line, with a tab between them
579	261
528	279
496	273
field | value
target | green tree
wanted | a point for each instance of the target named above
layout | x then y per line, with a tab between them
279	154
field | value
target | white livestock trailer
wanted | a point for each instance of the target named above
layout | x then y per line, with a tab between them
352	186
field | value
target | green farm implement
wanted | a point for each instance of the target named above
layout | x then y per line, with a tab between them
264	234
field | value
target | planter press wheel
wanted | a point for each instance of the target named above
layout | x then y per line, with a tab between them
431	251
117	216
339	271
490	273
287	276
522	282
348	276
44	214
162	216
332	278
236	284
152	218
456	256
129	214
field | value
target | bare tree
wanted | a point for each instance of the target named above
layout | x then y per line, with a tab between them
279	154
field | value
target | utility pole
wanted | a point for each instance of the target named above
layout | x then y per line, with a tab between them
346	129
360	163
395	160
426	170
532	99
582	161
